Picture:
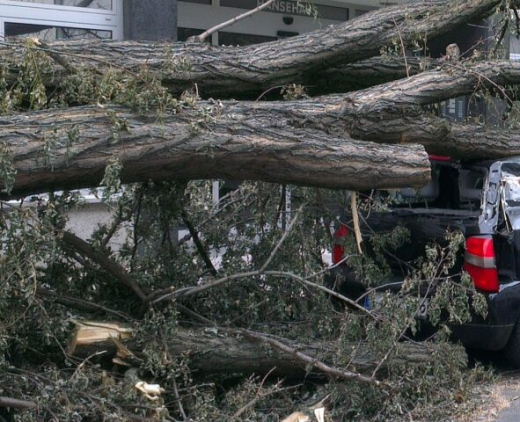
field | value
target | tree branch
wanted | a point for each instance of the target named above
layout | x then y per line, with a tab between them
198	243
205	34
79	303
171	292
330	371
238	71
17	404
103	261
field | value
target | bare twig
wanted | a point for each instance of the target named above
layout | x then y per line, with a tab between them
178	399
85	361
403	49
323	289
58	58
205	34
517	20
503	33
259	396
118	219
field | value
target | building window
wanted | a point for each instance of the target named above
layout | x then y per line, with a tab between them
184	33
461	108
360	12
15	31
286	34
231	38
452	106
92	4
197	1
61	19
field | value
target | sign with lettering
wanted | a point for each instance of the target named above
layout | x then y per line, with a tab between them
289	7
293	7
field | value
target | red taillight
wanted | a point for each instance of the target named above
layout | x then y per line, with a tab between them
439	158
479	263
338	250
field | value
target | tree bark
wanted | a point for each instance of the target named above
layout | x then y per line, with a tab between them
70	148
245	71
217	351
369	72
307	142
449	81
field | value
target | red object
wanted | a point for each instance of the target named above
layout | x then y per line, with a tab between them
479	263
338	250
438	158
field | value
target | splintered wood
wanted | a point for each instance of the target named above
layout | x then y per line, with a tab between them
89	333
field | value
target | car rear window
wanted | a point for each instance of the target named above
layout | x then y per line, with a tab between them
451	187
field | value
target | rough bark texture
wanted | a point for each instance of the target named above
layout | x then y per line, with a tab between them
308	142
450	81
239	71
214	351
369	72
247	142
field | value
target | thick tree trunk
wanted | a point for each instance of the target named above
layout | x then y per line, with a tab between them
370	72
70	148
306	142
450	81
240	71
214	351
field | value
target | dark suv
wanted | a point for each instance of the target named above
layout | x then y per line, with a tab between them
482	201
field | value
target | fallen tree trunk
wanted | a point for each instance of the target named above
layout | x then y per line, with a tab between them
70	148
369	72
246	71
217	351
306	142
450	81
17	404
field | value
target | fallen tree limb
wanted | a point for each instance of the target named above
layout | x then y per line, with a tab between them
246	141
449	81
105	262
215	350
332	372
239	71
305	142
16	404
369	72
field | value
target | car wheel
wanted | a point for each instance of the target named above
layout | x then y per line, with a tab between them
512	349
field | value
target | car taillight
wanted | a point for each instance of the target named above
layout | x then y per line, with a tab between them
439	158
479	263
338	250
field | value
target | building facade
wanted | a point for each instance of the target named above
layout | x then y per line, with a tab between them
173	19
281	19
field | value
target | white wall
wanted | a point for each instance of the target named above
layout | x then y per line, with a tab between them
201	16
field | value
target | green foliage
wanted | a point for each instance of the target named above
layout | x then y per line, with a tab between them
7	169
